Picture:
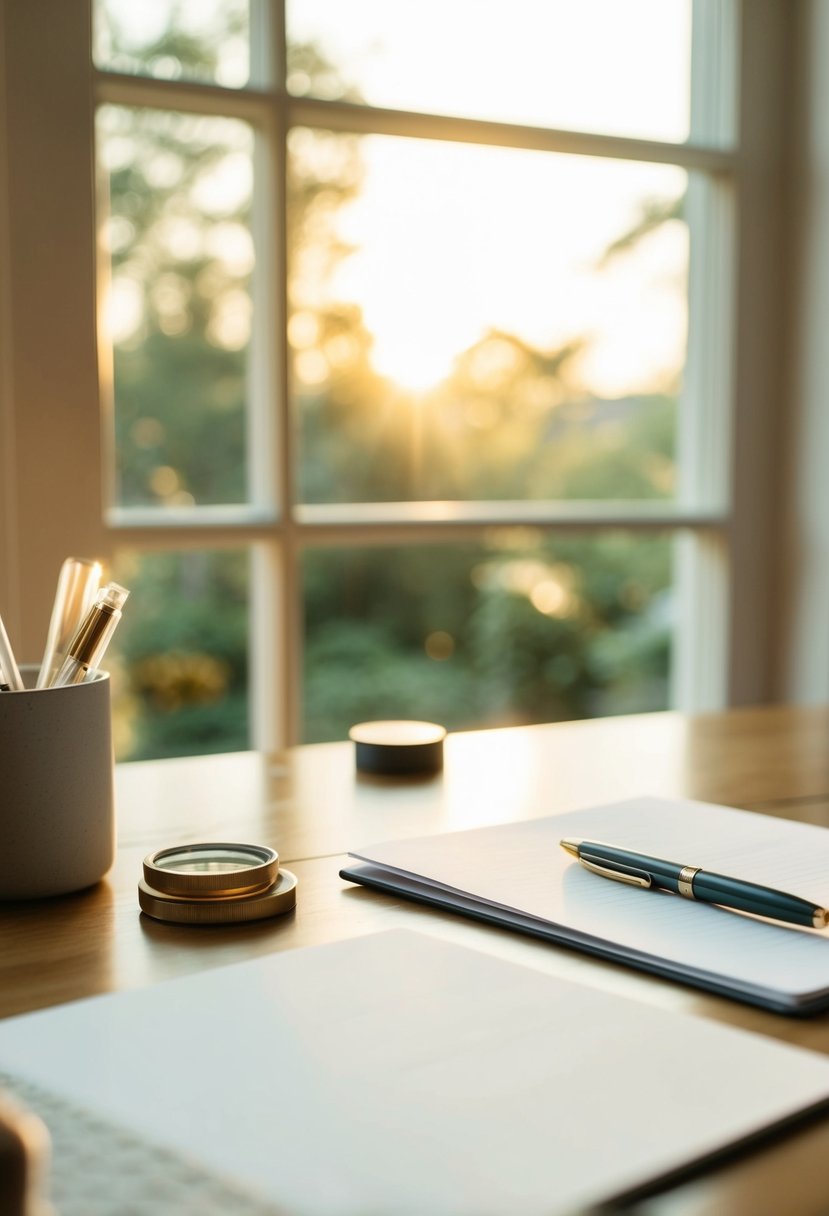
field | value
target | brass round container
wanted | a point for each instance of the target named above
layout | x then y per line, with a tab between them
223	910
211	871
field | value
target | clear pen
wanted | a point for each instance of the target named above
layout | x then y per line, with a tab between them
10	679
78	583
93	636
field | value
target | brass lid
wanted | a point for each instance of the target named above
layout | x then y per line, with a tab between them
211	870
181	910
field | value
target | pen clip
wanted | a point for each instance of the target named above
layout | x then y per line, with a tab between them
634	878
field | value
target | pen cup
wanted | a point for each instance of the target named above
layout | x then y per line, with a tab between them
57	819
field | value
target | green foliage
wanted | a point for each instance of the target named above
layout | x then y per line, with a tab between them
184	653
356	670
192	731
601	645
196	426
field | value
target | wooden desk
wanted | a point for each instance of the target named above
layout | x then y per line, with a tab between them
311	806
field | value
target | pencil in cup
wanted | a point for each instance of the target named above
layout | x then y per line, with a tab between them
78	584
10	678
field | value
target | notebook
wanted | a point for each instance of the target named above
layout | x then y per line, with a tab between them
396	1073
518	876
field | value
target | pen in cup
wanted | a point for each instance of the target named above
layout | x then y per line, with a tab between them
10	679
93	636
78	584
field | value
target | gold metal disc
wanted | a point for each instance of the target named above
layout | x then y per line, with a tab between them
211	870
181	910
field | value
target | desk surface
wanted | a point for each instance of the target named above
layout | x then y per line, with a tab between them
310	805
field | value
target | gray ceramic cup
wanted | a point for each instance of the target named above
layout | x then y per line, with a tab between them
57	819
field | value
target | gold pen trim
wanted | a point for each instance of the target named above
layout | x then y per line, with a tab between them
637	879
685	881
821	918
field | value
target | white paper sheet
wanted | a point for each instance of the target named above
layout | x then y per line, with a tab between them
522	869
399	1074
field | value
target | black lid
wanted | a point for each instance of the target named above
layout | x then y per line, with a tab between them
398	747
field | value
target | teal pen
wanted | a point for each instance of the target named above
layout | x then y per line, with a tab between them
692	882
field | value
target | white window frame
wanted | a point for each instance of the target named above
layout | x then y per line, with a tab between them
53	490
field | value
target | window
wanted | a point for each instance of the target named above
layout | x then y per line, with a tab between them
417	359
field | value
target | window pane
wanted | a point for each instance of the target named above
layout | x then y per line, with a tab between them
180	655
178	310
484	323
522	628
593	65
206	40
179	658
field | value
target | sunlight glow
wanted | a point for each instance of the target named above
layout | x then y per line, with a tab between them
123	309
414	349
449	242
595	65
444	243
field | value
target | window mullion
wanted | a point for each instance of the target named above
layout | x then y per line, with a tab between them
701	561
374	120
276	632
191	97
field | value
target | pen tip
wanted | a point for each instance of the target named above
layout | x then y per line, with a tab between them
821	918
571	845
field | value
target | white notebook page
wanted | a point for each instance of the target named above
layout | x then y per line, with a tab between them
521	866
399	1074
